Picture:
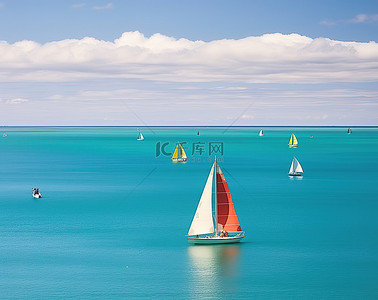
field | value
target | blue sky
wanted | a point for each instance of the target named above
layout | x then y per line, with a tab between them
188	62
50	20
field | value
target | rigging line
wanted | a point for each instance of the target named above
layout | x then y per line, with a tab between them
223	168
141	182
233	122
139	118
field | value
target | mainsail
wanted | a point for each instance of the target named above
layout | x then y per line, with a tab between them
293	140
203	219
261	133
226	216
295	167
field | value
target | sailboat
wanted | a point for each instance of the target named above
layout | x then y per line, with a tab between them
198	133
293	142
179	155
349	131
261	133
295	168
227	227
140	137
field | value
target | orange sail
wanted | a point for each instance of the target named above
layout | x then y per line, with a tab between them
227	218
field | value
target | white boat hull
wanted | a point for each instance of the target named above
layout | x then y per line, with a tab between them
179	159
37	196
295	174
211	240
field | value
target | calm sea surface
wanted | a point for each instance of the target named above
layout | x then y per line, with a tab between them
114	215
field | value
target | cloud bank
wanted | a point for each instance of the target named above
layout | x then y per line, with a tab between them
270	58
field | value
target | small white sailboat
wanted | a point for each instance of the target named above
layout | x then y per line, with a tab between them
36	193
140	137
349	131
261	133
295	168
227	227
179	155
293	142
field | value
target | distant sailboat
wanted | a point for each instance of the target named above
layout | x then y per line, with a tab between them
349	131
293	142
140	137
198	133
179	155
295	168
261	133
203	230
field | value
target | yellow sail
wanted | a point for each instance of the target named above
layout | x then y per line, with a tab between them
183	154
293	141
175	154
179	155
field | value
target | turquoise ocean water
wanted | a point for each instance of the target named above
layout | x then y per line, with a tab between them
113	217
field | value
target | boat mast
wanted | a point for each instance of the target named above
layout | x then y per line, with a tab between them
215	195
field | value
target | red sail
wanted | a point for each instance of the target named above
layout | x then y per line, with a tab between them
227	219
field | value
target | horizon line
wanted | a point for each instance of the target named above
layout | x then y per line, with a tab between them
197	126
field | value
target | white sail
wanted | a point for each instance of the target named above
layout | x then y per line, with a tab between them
298	167
203	219
140	137
261	133
295	167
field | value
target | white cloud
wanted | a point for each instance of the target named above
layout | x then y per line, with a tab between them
364	18
107	6
78	5
269	58
16	101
